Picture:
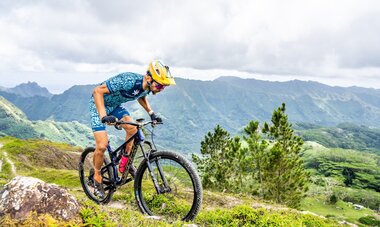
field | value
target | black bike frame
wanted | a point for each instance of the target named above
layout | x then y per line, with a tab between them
115	156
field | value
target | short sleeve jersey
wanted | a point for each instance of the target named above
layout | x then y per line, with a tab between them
123	88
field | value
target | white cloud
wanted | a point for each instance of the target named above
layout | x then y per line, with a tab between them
334	42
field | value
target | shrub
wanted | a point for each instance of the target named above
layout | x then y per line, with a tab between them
369	220
333	199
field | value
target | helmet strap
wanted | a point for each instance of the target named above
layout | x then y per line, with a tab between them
149	83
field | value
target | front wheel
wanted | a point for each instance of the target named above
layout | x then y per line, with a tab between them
179	192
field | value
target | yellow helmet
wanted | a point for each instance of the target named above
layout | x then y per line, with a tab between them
160	73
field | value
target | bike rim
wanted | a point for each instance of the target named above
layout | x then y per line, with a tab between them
87	172
174	204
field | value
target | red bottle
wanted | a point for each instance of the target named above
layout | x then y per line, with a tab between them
123	163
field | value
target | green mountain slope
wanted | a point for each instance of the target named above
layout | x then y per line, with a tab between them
343	135
351	168
13	122
342	178
72	105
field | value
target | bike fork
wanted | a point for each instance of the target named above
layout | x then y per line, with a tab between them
159	189
166	185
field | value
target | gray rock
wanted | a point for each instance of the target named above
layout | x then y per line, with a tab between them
23	195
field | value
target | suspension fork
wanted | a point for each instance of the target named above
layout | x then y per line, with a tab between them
160	170
146	157
151	172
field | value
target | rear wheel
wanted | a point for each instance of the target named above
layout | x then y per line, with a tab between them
86	174
180	190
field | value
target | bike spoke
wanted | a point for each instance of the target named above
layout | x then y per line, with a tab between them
176	189
87	178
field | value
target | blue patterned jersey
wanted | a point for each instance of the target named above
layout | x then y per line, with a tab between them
123	88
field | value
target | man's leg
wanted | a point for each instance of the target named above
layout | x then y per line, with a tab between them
122	113
130	130
101	140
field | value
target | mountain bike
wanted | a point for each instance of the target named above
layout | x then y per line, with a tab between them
166	184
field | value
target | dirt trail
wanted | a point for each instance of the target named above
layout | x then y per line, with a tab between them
6	159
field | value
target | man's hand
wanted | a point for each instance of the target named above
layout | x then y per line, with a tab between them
109	119
155	118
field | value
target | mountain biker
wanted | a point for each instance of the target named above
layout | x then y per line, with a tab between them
107	106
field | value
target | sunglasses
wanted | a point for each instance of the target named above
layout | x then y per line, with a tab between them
159	86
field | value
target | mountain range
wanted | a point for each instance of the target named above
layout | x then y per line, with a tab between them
29	89
192	107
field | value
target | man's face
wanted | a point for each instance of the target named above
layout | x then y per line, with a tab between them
156	87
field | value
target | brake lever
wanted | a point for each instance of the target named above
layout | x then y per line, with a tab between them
154	123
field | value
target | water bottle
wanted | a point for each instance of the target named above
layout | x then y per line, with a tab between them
123	162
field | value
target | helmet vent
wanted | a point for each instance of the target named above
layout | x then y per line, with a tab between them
160	73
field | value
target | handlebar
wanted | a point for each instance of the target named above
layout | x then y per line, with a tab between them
139	123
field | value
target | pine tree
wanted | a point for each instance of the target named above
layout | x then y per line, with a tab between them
255	156
218	151
239	166
284	178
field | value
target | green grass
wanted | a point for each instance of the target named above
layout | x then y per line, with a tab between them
94	215
18	146
244	215
6	139
125	194
6	173
340	211
65	178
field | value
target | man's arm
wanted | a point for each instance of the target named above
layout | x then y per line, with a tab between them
145	104
98	94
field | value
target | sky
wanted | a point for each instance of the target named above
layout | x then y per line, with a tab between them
61	43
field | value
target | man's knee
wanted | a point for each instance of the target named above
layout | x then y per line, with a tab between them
130	130
101	141
101	146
